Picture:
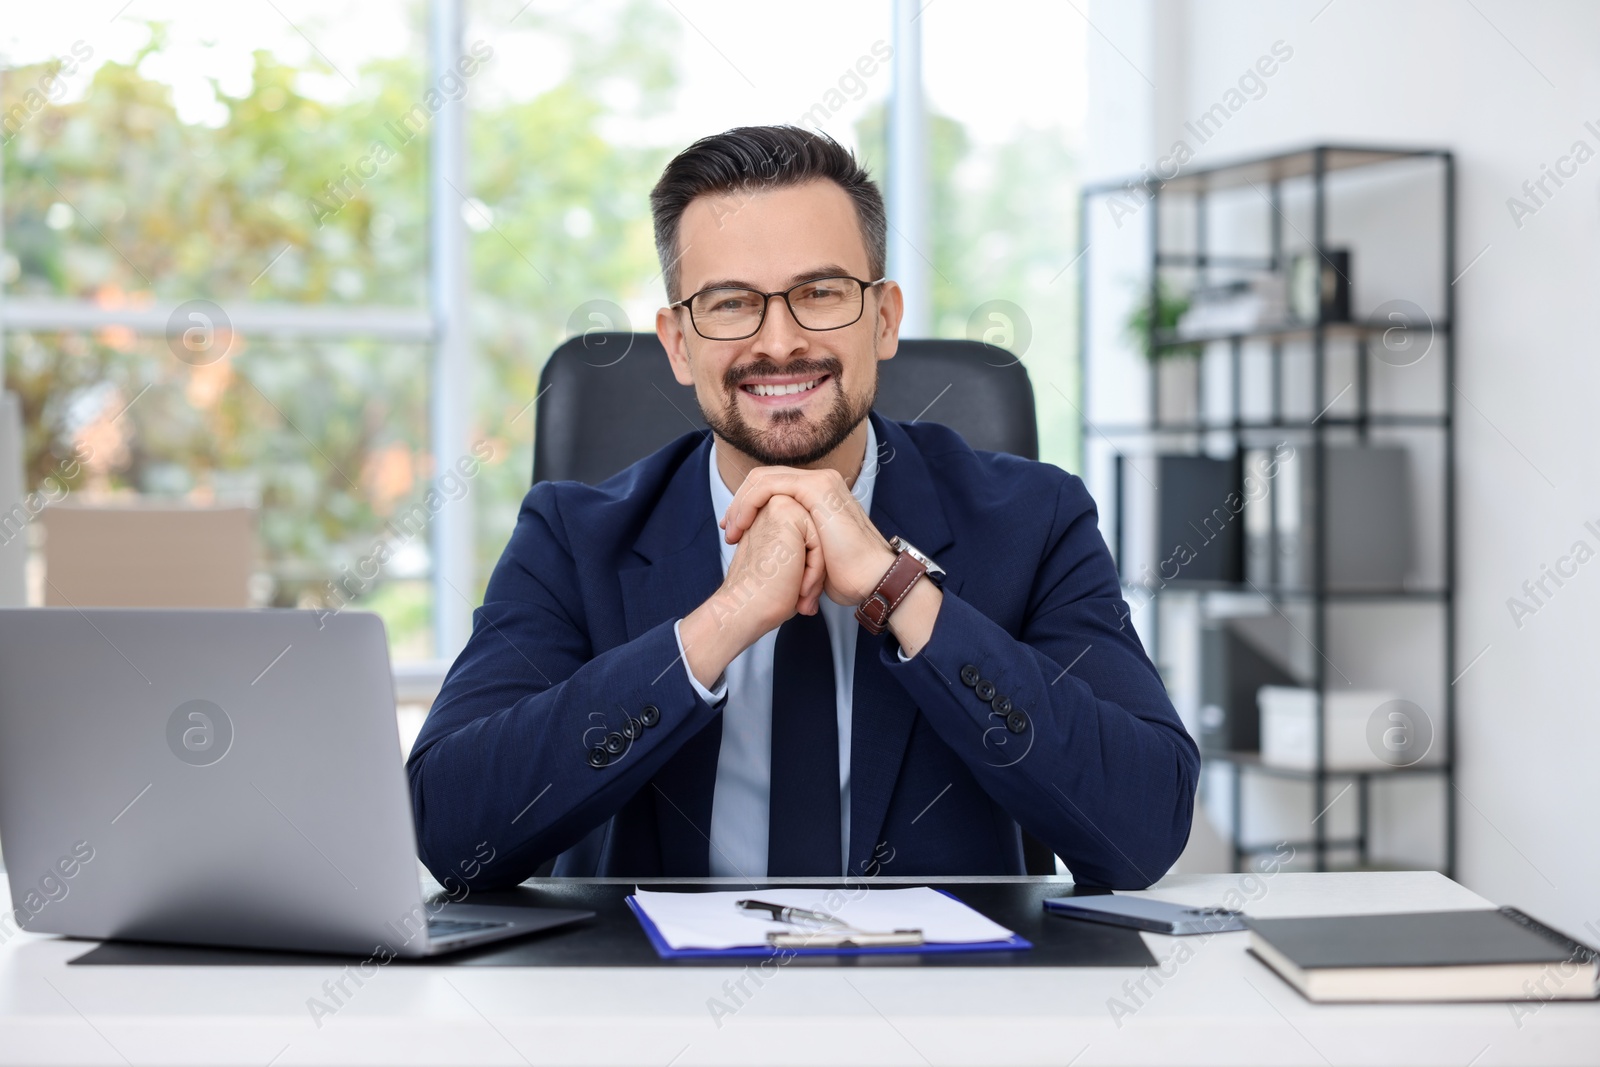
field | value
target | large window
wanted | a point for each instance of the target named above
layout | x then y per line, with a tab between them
215	281
225	261
1006	102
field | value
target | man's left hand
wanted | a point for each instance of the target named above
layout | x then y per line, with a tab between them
855	555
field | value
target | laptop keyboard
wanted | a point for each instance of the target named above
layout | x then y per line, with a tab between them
439	929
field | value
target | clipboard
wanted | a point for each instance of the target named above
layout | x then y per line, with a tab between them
667	952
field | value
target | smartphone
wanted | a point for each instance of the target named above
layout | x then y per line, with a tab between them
1145	913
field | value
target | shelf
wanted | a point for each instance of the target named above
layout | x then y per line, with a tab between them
1416	421
1192	259
1252	760
1179	585
1298	846
1287	331
1371	866
1300	352
1264	170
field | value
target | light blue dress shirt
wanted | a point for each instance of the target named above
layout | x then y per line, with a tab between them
739	804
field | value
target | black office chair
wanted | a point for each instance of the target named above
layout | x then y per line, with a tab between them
607	400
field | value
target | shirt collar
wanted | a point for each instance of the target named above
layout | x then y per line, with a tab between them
722	496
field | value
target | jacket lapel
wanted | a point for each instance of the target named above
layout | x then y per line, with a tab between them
682	566
904	503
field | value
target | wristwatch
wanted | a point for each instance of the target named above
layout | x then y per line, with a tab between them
908	566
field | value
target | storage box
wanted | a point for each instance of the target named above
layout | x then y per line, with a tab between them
1199	531
1233	668
148	555
1368	524
1362	730
17	515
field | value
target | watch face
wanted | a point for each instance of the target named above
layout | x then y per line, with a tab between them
934	571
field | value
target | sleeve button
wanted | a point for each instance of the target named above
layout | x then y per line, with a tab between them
969	676
1001	705
649	714
632	728
615	743
1016	722
984	689
598	757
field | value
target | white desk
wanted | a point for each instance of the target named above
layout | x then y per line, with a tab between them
1219	1006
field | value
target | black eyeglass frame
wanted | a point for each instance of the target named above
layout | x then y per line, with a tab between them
766	302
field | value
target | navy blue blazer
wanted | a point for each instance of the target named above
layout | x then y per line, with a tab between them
574	648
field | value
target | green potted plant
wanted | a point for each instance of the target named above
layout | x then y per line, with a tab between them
1170	306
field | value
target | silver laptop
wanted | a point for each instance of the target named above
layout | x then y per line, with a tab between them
220	778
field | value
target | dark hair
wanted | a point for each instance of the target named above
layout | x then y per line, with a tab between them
761	158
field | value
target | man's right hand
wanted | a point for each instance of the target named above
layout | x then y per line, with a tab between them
777	571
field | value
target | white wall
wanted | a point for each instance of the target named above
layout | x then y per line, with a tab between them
1508	87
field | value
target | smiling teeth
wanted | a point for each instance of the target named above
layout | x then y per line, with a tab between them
783	390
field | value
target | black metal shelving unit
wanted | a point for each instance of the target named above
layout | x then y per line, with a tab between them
1309	341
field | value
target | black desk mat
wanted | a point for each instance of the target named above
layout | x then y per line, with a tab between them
614	938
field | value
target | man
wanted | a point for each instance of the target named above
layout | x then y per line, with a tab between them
817	642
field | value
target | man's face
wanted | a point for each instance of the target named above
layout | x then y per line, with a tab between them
769	241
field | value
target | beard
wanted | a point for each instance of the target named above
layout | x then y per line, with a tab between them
790	439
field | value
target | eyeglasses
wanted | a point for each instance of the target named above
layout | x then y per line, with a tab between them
727	313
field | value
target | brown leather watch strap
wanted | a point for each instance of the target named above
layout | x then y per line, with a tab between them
873	612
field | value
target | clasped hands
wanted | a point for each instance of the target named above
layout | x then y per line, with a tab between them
800	534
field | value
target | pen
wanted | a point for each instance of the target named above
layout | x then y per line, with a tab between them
784	914
844	935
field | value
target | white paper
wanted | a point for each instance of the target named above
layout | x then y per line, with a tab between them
712	920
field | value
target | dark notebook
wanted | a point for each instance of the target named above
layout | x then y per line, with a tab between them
1440	955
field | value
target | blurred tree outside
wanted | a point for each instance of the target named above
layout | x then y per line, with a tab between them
562	224
114	199
1004	223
